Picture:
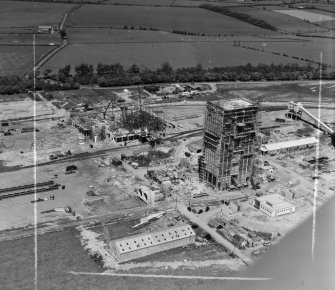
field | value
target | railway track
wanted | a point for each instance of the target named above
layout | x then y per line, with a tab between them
116	216
88	155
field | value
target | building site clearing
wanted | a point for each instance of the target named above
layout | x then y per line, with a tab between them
181	178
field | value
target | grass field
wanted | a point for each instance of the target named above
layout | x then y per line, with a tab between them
57	254
306	15
330	8
141	2
279	20
114	35
27	39
328	23
152	55
181	3
27	14
108	35
194	20
306	49
17	59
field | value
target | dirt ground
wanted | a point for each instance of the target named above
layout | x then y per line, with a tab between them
115	194
289	177
114	188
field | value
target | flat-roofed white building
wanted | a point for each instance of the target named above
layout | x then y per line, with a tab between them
274	205
145	244
289	146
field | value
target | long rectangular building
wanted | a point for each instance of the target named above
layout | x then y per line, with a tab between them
289	146
142	245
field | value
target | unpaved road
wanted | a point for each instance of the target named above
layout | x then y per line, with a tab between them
217	237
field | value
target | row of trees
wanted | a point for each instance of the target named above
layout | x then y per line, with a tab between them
106	75
240	16
14	84
117	75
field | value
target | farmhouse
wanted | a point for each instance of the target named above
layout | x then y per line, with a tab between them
145	244
46	29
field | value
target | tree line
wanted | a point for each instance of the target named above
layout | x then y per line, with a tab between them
108	75
240	16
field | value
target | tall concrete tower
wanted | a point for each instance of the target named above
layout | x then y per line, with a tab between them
230	143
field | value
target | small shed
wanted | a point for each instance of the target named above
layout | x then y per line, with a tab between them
116	161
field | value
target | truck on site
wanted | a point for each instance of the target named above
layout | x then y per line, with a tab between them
71	168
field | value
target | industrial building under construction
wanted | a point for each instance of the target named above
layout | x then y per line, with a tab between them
230	143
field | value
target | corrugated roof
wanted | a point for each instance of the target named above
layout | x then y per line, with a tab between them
142	241
289	144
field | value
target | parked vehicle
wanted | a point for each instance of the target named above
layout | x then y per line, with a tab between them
71	168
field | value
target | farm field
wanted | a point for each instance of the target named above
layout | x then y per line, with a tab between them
306	15
280	20
306	49
152	55
181	3
327	24
194	20
18	59
141	2
330	8
27	14
321	12
108	35
113	35
27	39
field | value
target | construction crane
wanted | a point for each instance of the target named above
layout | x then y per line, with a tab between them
111	102
296	111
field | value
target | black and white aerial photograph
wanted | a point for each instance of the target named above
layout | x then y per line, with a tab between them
167	144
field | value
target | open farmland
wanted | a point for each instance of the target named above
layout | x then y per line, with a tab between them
141	2
194	20
306	15
181	3
27	39
18	59
152	55
27	14
108	35
325	23
115	35
330	8
303	49
280	20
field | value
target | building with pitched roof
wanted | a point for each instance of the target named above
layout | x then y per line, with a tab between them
145	244
289	146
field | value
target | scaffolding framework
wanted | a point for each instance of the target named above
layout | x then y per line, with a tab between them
230	143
